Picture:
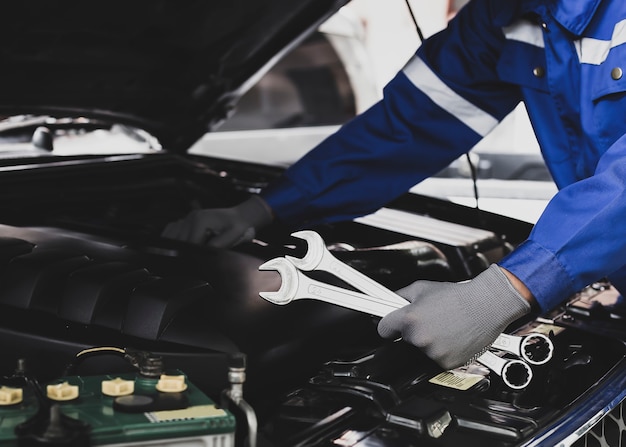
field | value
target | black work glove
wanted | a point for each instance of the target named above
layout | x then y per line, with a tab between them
452	322
222	227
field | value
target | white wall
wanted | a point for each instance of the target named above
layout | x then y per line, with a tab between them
390	35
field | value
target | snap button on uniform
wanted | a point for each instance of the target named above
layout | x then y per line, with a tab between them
544	25
617	73
539	72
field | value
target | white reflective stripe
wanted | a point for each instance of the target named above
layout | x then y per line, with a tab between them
595	51
428	83
525	31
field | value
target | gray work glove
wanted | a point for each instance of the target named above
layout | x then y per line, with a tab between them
452	322
222	227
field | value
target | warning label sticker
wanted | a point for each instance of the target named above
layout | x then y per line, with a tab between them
196	412
456	379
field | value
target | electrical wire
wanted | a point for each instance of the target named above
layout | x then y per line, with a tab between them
417	27
474	174
85	353
100	349
473	169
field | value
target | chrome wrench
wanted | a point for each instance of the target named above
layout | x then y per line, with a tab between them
296	285
535	348
318	257
516	374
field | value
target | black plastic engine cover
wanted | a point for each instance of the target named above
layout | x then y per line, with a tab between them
62	291
395	396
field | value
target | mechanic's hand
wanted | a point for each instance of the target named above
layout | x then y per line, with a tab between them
452	322
222	227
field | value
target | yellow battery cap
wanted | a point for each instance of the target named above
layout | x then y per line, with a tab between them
10	396
62	391
171	384
118	387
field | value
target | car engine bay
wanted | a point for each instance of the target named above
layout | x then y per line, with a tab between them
82	264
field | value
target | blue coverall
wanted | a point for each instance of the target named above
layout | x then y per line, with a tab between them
566	60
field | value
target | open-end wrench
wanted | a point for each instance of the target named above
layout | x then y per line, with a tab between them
318	257
535	348
296	285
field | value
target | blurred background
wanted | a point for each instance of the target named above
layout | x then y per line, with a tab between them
340	71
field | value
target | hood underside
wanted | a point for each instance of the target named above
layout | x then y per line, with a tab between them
173	68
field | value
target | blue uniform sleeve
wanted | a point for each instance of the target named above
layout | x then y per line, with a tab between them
444	101
580	237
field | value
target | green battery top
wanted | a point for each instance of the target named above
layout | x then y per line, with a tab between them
130	419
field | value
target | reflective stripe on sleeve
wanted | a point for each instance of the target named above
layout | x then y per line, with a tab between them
422	77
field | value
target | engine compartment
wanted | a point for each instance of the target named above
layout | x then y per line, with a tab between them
82	264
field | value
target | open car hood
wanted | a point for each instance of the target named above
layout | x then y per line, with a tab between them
172	68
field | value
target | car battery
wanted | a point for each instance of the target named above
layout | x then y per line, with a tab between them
468	250
120	410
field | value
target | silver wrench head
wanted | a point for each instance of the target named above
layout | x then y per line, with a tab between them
517	374
536	349
315	250
289	281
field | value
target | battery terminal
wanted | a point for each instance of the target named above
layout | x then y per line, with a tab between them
171	384
62	391
10	396
118	387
